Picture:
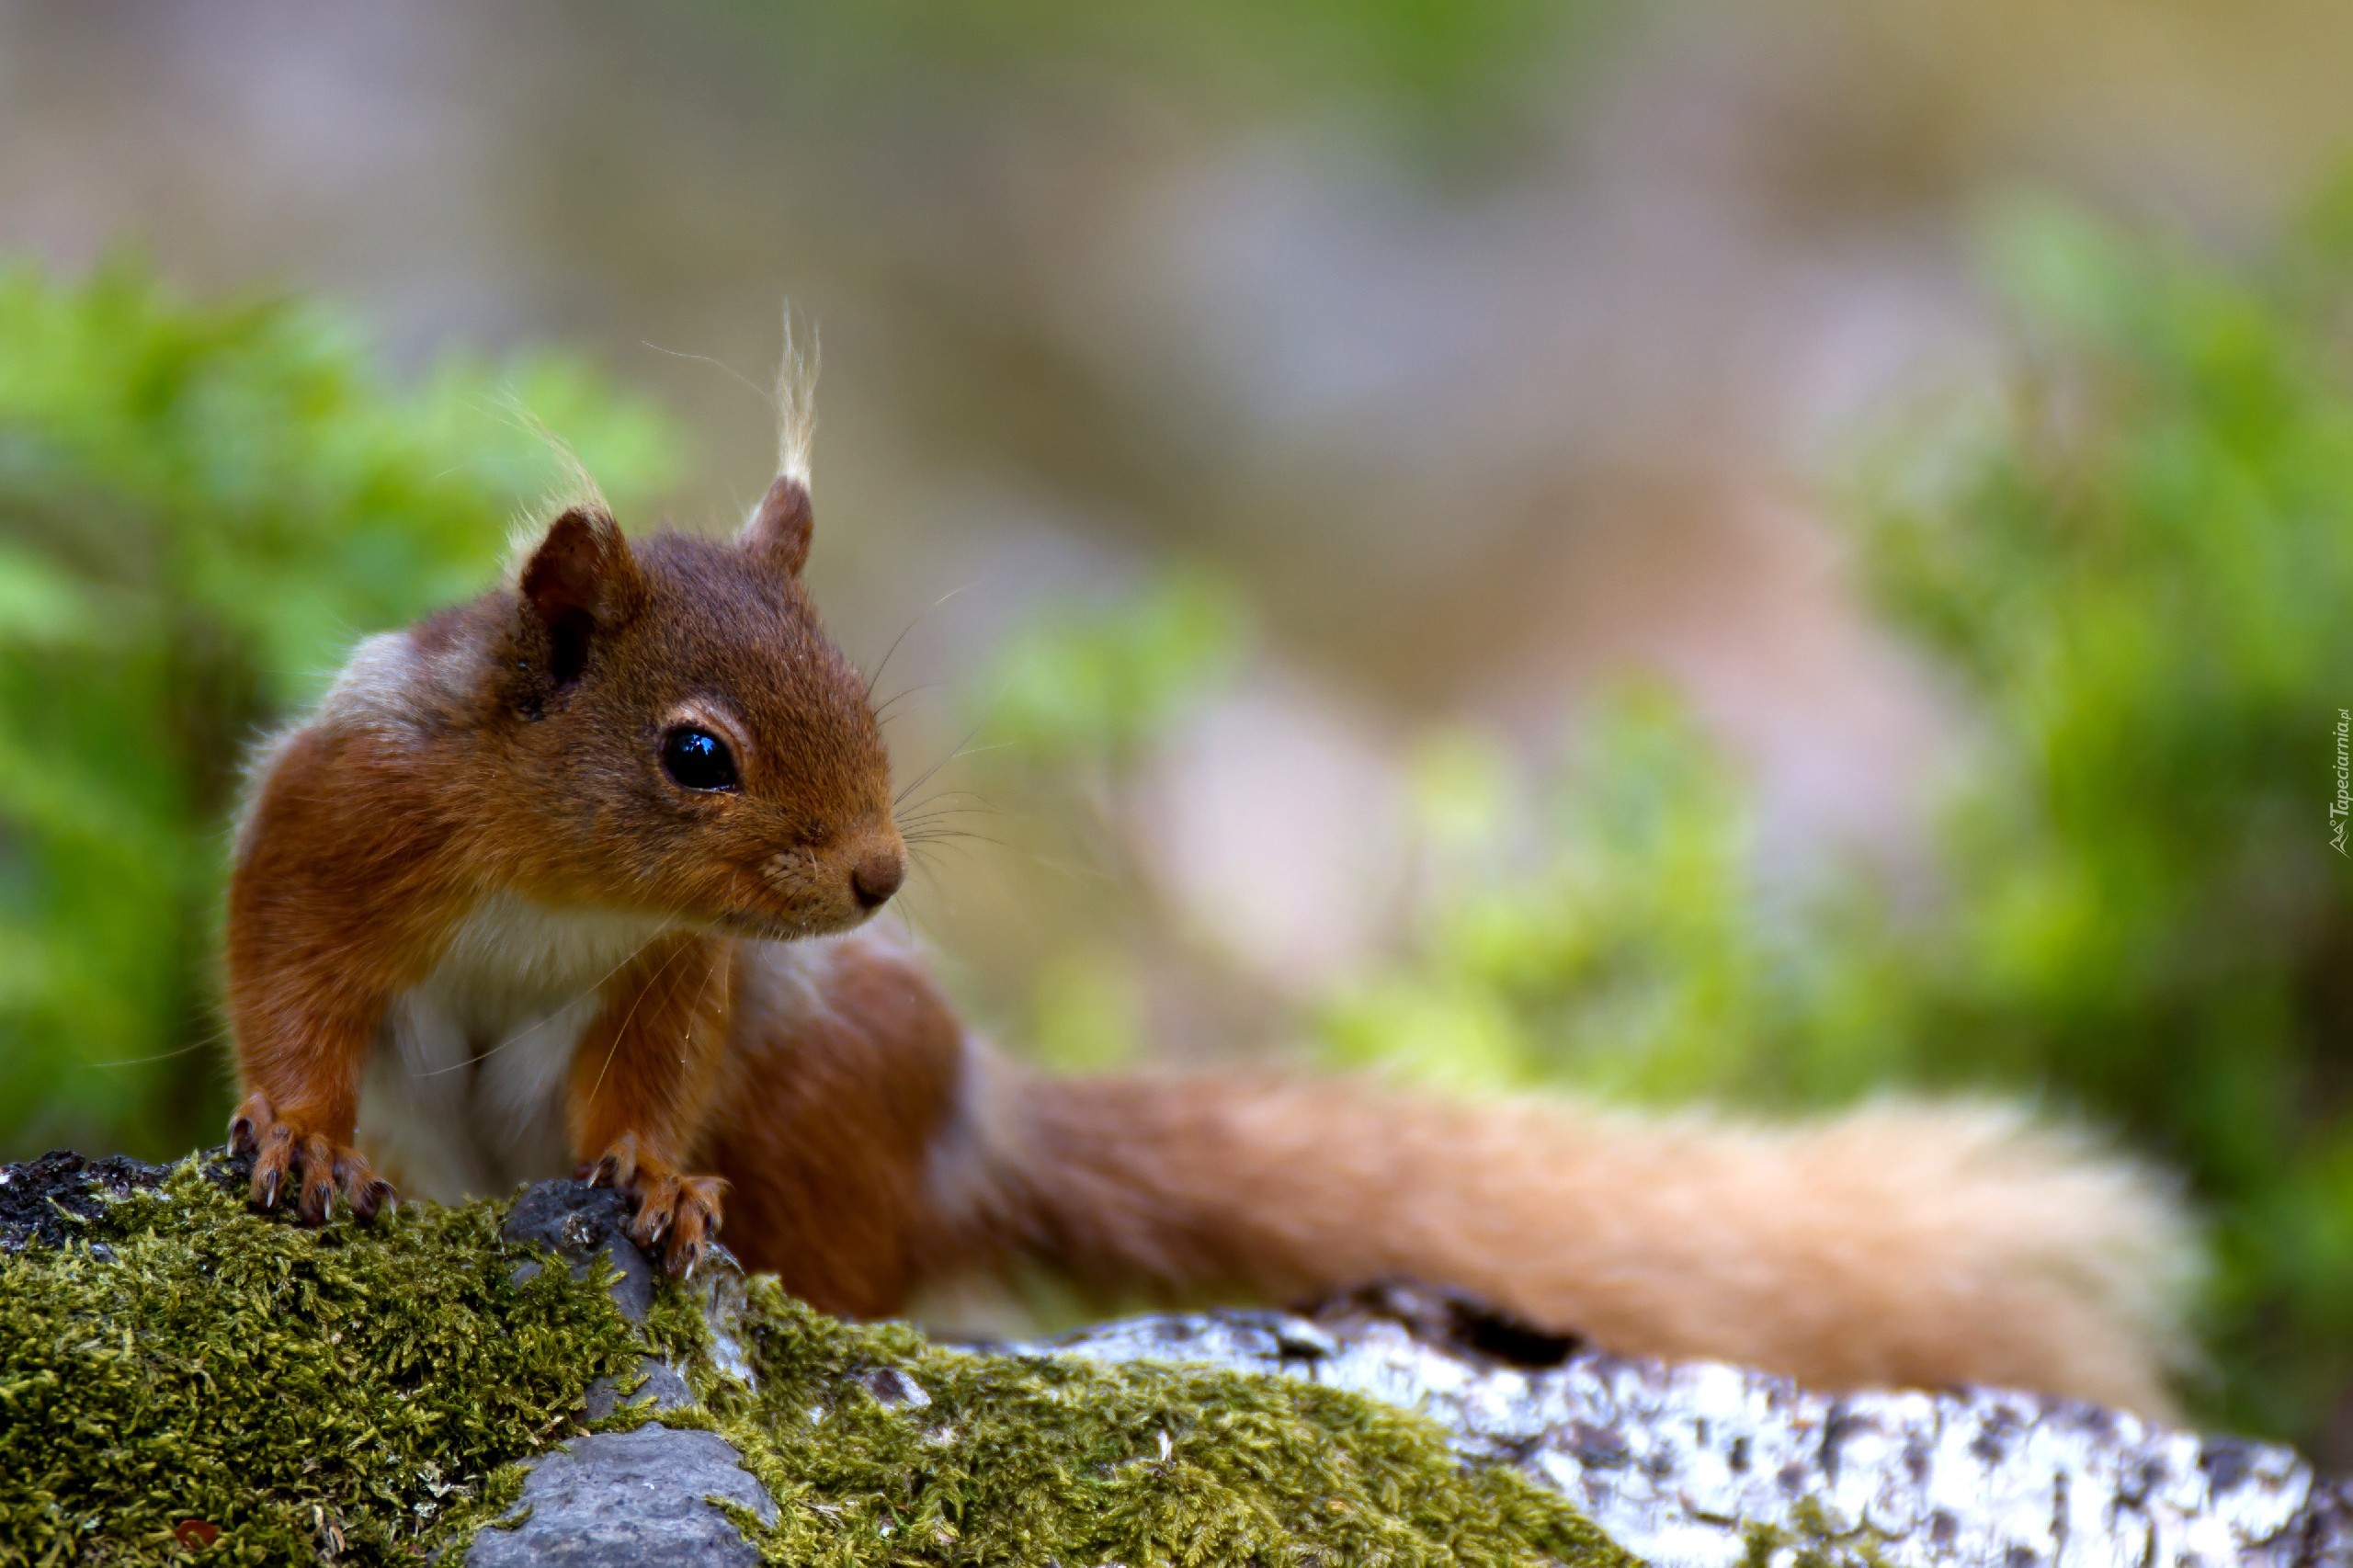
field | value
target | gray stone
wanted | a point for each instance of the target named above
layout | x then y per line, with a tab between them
618	1499
1694	1465
661	1388
891	1388
579	1222
1687	1465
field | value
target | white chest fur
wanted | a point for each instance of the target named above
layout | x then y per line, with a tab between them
464	1094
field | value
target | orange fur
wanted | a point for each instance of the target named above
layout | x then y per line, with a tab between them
843	1080
878	1156
640	1082
330	906
502	763
1899	1244
478	881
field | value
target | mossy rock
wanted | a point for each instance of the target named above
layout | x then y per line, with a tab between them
182	1380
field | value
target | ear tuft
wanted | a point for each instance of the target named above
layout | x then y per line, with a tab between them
581	582
781	524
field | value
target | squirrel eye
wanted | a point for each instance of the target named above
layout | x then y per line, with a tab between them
697	759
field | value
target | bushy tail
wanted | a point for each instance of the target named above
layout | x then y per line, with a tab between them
1900	1243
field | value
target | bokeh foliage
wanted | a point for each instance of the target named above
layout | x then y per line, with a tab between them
1442	77
200	509
2141	565
2134	558
2136	562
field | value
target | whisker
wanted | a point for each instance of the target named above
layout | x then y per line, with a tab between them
569	1001
949	813
882	710
948	835
981	802
718	955
901	637
613	1050
961	752
767	399
1058	866
955	813
925	776
1061	867
904	909
164	1055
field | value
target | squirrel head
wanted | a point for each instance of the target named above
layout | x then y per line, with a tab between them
685	737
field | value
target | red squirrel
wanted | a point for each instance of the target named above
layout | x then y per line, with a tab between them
571	878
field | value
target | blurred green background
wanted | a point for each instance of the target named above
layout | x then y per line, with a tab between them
1761	553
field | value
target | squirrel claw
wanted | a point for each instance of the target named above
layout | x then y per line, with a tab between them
675	1213
617	1167
316	1164
370	1197
693	1217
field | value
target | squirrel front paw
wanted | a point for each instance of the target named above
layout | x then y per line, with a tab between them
676	1212
285	1151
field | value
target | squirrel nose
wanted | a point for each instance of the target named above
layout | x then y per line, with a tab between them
874	879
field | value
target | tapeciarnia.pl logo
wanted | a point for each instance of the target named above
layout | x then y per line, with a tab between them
2341	807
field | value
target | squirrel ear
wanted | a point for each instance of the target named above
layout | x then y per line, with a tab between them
581	581
781	525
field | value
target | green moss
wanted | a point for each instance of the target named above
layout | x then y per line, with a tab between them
1031	1460
348	1388
1812	1540
364	1392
